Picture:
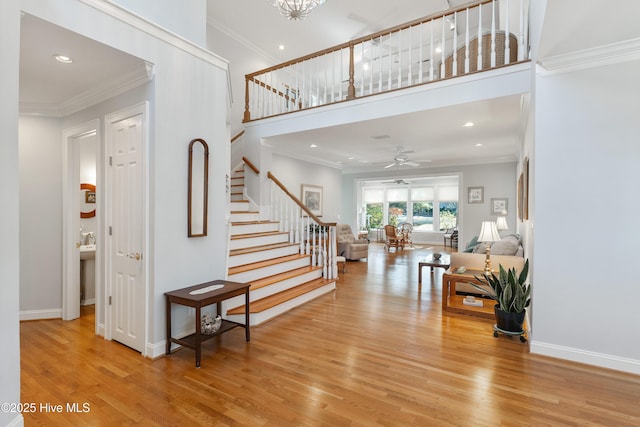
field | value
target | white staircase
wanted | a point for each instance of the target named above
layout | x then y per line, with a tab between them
261	254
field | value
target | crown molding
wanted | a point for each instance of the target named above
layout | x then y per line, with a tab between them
130	18
613	53
93	96
214	23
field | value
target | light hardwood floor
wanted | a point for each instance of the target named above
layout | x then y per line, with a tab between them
377	351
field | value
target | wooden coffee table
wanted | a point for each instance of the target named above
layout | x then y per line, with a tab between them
444	262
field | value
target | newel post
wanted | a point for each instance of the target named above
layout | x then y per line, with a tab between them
247	113
351	90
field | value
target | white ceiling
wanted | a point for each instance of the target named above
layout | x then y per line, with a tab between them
437	135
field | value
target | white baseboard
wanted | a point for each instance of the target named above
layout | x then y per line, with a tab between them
91	301
155	350
608	361
52	313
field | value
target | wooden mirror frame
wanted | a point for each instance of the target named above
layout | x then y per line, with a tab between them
194	199
88	187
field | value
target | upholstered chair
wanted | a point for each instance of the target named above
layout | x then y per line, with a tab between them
348	246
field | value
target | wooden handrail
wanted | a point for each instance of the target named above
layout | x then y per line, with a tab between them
298	202
238	135
251	165
272	89
369	37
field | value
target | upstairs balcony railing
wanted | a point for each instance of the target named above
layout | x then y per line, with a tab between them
477	37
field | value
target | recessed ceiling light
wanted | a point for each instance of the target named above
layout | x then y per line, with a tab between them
469	124
479	145
350	158
63	58
281	47
313	146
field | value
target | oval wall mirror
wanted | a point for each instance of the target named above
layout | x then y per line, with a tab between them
88	201
198	188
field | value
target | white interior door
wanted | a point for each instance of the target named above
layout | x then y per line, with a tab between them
126	134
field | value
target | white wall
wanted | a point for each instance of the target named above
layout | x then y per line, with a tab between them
40	217
293	173
9	213
586	213
185	20
244	59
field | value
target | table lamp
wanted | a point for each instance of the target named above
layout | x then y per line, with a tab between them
501	223
488	234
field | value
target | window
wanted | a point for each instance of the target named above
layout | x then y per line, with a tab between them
448	212
429	204
373	199
397	212
422	202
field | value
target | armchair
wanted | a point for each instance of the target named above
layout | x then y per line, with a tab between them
348	246
452	235
393	238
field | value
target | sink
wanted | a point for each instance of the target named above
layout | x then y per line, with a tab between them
87	252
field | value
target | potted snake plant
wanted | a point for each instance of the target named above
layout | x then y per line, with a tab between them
512	296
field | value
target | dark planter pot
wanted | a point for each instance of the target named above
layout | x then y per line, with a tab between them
507	321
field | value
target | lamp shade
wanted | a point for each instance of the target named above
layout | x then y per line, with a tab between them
501	223
488	232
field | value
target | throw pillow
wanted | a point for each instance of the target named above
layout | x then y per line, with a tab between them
472	244
507	246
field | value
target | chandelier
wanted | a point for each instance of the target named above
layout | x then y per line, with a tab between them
296	9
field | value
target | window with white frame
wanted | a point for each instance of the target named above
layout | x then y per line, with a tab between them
448	207
431	206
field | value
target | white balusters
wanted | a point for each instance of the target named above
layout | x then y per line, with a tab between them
466	44
454	53
443	48
479	39
432	56
323	79
493	34
507	50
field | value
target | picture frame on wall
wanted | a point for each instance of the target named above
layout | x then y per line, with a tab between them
476	194
312	198
499	206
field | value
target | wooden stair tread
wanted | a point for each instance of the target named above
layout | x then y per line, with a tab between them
244	212
265	263
269	280
254	222
262	234
260	248
281	297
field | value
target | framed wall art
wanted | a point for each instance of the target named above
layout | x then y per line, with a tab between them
312	198
476	194
499	206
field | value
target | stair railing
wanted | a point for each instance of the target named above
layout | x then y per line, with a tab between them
315	237
478	36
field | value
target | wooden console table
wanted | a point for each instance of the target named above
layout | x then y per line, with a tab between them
193	296
454	303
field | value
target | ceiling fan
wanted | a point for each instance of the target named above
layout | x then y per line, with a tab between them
397	181
401	158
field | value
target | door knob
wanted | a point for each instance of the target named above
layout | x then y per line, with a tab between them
137	256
